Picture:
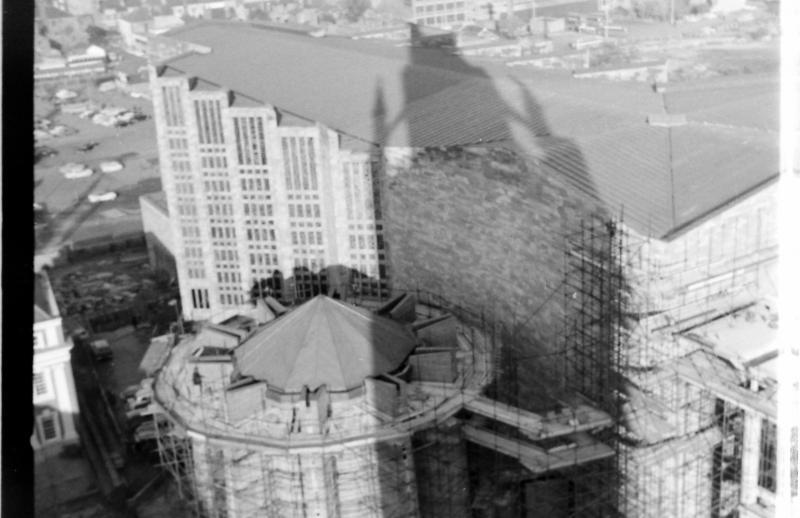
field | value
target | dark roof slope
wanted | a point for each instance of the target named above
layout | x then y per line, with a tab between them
158	199
593	132
324	342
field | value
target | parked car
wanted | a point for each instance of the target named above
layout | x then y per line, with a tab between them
73	170
101	350
88	146
111	166
98	197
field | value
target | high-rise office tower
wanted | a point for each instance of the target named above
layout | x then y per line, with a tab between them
261	200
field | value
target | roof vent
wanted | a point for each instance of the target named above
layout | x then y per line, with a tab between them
666	120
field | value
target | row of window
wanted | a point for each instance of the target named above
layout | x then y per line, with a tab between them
260	234
177	143
190	231
767	468
196	273
299	163
255	184
365	242
458	5
209	122
223	232
184	188
258	209
230	299
172	105
310	196
220	209
213	162
442	19
263	259
359	190
200	298
217	186
449	6
229	277
181	166
48	426
226	255
365	226
194	252
308	224
303	238
187	209
41	385
250	148
304	211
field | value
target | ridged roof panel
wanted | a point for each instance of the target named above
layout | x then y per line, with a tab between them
324	342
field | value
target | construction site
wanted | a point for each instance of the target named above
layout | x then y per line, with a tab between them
419	407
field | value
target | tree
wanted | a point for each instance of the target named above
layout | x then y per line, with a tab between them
353	9
97	35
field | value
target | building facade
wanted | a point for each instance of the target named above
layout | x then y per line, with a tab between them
257	197
158	232
54	399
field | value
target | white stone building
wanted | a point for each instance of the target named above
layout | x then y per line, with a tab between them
54	399
255	193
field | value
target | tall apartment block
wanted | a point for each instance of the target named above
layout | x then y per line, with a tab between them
261	199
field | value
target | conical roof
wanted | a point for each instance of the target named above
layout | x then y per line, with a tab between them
324	342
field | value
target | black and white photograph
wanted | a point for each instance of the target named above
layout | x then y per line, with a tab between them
410	259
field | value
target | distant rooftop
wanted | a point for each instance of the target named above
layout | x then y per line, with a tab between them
593	133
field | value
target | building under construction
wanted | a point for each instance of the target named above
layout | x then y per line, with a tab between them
416	407
581	319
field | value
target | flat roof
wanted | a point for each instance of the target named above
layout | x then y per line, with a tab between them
748	335
592	132
158	200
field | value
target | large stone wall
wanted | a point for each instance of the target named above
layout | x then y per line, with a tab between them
484	229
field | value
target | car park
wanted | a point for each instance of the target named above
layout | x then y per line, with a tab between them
99	197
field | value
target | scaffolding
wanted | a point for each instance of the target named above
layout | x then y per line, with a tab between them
618	418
